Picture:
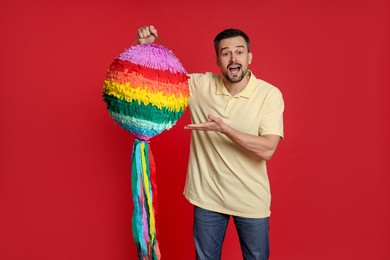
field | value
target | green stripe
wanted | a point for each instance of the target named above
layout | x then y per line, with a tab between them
140	110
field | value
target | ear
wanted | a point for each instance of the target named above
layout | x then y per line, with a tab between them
250	56
216	60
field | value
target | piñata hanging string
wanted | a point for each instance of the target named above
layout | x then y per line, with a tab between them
146	91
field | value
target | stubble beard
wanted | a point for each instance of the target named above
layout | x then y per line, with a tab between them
235	78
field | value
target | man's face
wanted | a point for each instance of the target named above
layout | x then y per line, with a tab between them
234	58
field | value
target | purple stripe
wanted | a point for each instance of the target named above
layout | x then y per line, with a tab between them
153	56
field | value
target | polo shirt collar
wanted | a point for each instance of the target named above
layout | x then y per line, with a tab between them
245	93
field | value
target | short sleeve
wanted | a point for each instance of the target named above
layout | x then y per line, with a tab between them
271	121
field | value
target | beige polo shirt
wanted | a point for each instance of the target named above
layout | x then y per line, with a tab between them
223	176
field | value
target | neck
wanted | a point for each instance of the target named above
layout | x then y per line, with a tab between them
236	87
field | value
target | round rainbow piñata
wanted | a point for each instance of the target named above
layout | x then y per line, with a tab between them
146	91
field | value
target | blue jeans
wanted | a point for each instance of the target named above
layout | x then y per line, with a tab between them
209	233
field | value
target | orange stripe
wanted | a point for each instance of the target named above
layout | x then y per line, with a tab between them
137	80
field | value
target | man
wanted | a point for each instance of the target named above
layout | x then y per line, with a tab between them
237	122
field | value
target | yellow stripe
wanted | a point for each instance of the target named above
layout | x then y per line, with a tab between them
147	194
137	79
141	94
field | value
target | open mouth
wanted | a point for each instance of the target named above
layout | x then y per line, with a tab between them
234	69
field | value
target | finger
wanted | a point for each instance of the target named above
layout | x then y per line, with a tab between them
153	30
211	117
140	33
191	126
143	32
194	126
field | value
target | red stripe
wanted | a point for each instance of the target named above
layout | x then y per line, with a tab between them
149	73
153	180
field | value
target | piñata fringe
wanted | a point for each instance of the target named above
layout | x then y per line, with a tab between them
143	182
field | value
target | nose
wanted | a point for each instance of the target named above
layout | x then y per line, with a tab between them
233	58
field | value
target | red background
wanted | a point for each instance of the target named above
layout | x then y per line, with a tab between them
65	167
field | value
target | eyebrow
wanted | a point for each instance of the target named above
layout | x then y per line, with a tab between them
238	46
